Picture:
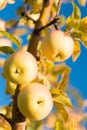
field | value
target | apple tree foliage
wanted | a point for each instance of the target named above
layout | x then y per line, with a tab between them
42	16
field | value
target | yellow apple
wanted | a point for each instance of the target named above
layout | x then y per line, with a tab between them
20	67
35	101
10	87
57	46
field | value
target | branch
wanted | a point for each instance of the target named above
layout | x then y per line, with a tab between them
44	16
7	119
18	120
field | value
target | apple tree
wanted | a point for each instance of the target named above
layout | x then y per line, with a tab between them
35	73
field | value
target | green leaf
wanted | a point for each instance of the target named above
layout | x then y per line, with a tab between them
76	51
61	110
11	37
7	49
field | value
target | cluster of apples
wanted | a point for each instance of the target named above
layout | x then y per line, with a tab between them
34	100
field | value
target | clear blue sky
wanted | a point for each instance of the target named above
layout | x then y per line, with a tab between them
78	75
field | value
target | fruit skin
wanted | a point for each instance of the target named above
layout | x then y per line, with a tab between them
20	67
57	46
35	101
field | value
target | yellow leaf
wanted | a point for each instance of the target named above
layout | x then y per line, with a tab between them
76	51
82	2
62	99
83	24
63	81
60	68
76	14
19	32
61	110
72	123
58	126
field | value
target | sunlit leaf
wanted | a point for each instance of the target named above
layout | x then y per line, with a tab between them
2	60
7	49
72	122
60	97
61	110
58	126
78	35
84	39
75	94
82	2
76	51
10	23
19	32
64	81
60	68
11	37
61	21
76	12
83	24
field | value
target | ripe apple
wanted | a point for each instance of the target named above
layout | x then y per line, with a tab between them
35	101
10	87
57	46
20	67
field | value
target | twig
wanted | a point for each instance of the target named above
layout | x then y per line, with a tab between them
7	119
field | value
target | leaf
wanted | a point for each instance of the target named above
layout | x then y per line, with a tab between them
7	49
10	23
74	93
61	21
83	24
60	68
60	97
11	37
19	32
76	14
61	110
83	39
72	122
58	125
64	81
82	2
2	60
76	51
78	35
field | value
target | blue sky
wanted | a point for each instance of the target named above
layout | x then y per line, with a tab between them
78	75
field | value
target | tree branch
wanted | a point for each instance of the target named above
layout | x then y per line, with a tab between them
18	120
44	16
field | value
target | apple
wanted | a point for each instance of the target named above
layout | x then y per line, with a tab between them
20	67
57	46
35	101
10	87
